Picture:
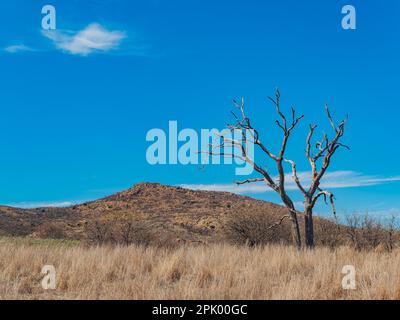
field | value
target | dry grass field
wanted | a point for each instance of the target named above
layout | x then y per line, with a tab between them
193	272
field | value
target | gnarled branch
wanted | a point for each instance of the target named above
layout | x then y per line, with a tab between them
326	194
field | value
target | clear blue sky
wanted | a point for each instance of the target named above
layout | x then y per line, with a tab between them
74	119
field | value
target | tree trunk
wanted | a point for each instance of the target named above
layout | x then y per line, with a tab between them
295	223
296	231
308	226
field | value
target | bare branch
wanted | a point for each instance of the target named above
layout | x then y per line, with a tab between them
295	176
322	146
327	151
261	145
326	194
243	148
277	104
330	118
244	124
280	126
211	153
249	181
279	222
308	150
343	145
295	120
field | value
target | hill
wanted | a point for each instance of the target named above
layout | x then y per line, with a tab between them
187	215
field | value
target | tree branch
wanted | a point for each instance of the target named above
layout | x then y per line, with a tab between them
249	181
327	151
326	194
279	222
295	176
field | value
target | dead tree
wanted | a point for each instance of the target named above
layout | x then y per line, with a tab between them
244	125
325	150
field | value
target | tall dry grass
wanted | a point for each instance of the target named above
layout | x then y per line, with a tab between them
214	272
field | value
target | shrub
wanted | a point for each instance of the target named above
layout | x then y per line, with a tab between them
122	230
328	233
50	230
365	233
98	232
255	229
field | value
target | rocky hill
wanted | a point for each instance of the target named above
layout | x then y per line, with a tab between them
185	214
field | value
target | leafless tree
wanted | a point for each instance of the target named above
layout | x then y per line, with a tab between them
324	150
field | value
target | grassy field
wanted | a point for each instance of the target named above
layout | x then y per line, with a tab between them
203	272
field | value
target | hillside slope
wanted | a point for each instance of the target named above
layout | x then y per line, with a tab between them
174	213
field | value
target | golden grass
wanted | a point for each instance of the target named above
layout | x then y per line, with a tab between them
214	272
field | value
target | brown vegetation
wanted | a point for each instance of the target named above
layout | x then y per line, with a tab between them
158	215
122	230
176	214
360	232
50	230
194	272
160	242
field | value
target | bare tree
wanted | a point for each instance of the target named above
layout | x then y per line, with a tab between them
325	149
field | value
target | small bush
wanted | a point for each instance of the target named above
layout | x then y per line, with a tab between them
328	233
50	230
130	231
255	229
361	232
365	233
121	230
98	232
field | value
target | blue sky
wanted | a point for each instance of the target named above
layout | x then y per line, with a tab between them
75	113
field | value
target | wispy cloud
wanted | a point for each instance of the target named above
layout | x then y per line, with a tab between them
56	204
94	38
385	213
331	180
384	216
16	48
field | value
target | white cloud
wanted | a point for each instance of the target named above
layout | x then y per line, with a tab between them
386	213
17	48
299	205
384	216
331	180
93	38
55	204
